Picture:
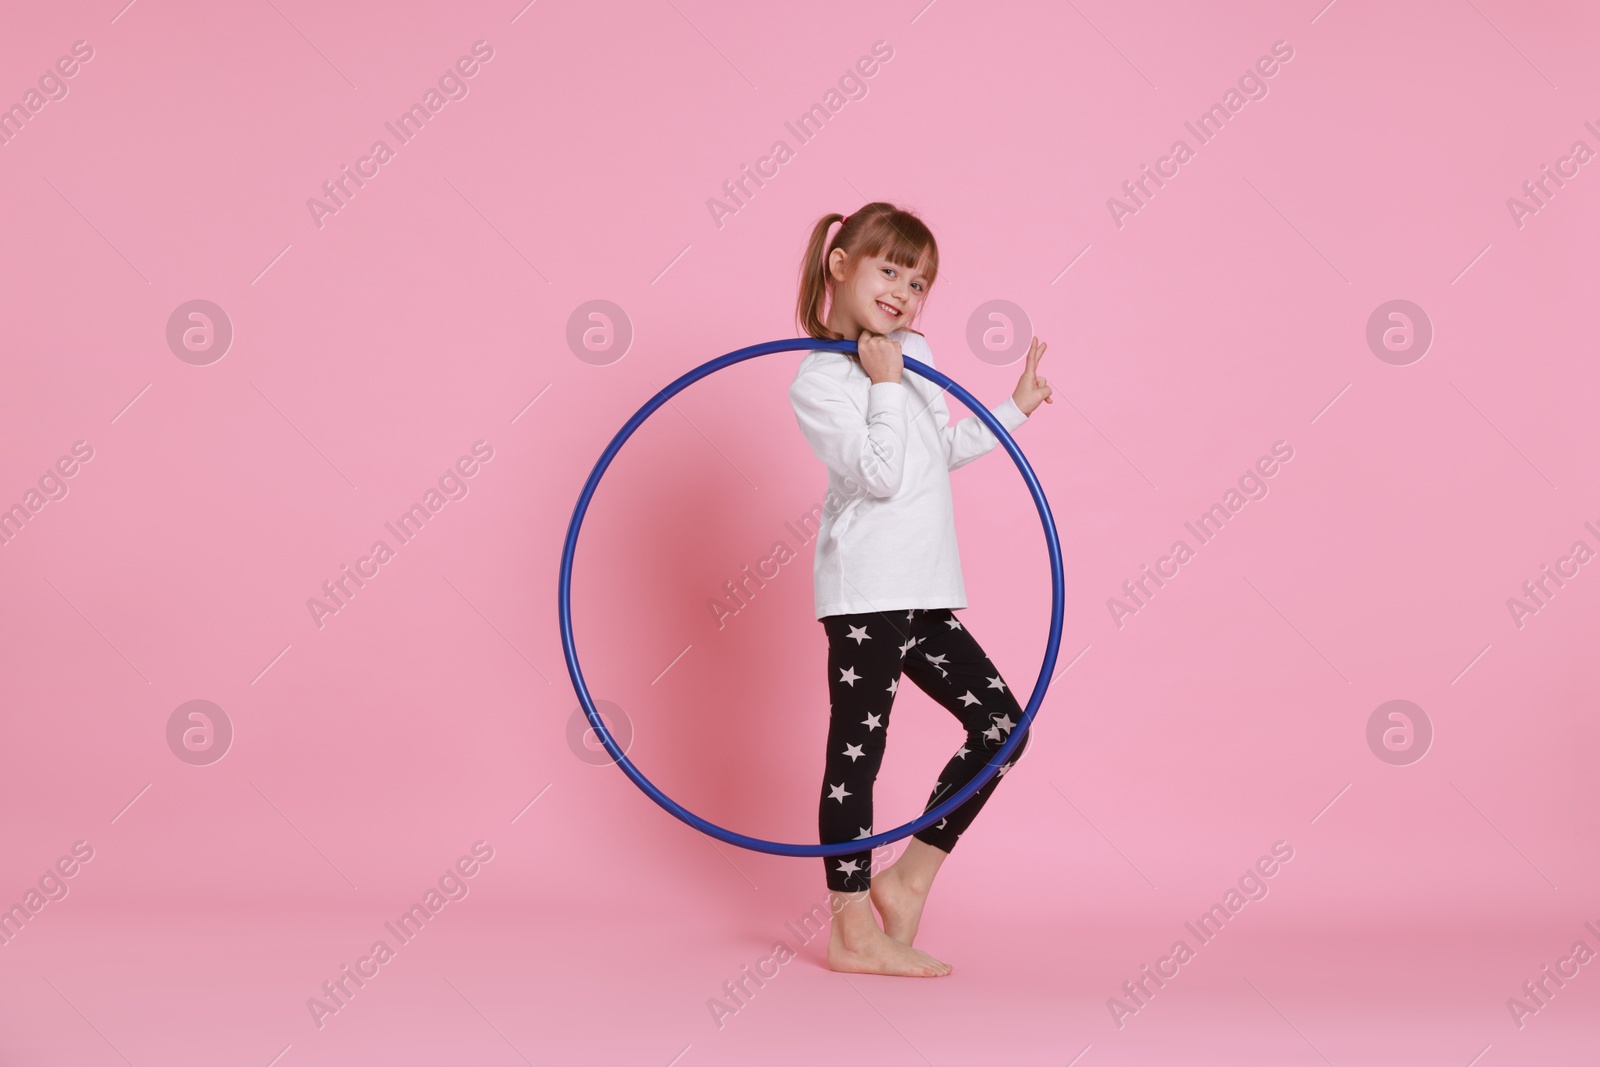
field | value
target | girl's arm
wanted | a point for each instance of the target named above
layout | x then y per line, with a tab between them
969	438
871	450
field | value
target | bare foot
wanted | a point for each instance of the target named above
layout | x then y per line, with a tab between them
857	946
883	955
900	903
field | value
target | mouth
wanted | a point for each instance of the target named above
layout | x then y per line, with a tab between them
889	309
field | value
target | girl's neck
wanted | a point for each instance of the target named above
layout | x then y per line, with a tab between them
844	330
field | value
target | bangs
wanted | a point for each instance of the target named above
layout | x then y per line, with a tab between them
899	241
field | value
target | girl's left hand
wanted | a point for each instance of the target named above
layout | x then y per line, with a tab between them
1032	390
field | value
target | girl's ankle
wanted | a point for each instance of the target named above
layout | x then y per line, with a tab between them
918	884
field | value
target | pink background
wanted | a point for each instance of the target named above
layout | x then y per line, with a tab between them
368	354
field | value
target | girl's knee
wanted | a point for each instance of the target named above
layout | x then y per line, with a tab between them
994	732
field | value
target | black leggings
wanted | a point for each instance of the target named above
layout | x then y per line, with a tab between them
866	654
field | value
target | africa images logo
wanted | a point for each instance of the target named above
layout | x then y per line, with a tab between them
452	85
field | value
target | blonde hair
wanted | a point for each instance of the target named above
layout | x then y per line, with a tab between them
876	229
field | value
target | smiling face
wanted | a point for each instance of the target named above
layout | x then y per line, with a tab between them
877	295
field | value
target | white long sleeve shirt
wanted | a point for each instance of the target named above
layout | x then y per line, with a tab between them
887	540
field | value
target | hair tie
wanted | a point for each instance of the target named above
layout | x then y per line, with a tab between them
844	220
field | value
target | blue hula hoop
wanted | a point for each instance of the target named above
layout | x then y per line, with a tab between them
956	799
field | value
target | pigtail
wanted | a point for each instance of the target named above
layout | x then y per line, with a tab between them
814	280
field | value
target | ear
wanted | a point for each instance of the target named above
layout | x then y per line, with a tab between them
837	260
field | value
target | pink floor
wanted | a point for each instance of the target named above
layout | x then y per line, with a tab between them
608	982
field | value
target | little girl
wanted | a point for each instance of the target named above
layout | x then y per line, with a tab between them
887	573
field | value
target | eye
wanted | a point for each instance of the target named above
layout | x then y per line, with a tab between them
915	285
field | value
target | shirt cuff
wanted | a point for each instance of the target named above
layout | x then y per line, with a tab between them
887	396
1009	414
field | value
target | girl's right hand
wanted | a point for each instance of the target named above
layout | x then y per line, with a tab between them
880	357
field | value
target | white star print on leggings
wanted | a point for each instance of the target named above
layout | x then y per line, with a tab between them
867	653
